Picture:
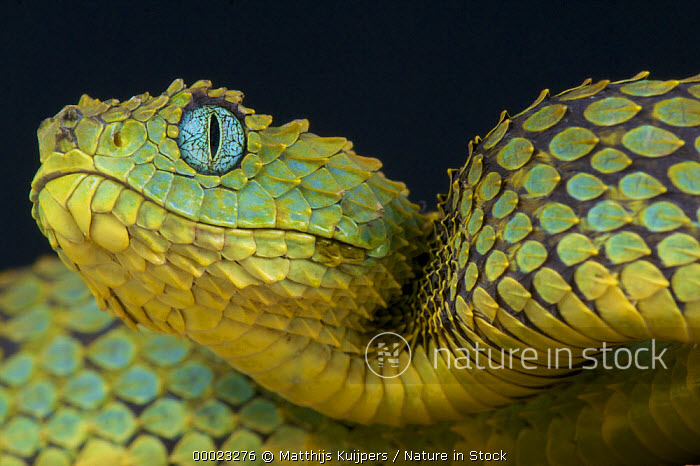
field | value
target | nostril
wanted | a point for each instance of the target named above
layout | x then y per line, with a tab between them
72	114
118	140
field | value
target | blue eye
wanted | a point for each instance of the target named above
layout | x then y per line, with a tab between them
211	140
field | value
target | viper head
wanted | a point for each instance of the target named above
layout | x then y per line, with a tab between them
186	210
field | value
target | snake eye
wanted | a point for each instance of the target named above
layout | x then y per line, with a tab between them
211	140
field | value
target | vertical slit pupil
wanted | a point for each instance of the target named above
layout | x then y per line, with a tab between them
214	135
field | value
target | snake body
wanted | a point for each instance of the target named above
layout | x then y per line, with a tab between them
573	225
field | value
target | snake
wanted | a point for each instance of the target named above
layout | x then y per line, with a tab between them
231	291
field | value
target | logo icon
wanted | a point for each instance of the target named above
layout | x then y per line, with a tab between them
386	348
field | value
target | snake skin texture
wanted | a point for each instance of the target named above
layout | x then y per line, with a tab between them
572	226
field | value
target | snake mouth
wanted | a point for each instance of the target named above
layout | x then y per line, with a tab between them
67	201
63	172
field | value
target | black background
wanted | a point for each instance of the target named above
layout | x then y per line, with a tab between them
409	83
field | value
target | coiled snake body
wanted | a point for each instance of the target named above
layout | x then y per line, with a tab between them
571	229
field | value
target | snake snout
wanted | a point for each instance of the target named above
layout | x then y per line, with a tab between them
57	134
